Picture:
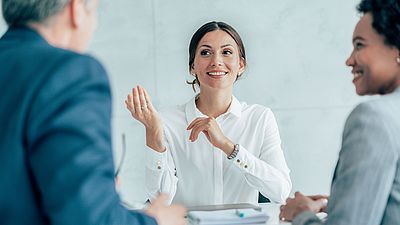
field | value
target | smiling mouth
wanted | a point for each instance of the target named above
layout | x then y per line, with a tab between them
217	74
357	75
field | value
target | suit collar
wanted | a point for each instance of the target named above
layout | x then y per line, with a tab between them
22	33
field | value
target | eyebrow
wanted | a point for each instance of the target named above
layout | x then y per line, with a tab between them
222	46
358	38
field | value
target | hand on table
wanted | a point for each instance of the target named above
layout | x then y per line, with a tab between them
164	214
301	203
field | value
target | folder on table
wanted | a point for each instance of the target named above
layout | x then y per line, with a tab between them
226	214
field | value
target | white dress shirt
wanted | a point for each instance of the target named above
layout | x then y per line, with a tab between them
197	173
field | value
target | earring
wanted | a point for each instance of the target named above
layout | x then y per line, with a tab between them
398	59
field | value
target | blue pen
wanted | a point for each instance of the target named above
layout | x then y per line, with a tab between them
239	213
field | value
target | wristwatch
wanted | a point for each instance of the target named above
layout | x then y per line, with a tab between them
234	153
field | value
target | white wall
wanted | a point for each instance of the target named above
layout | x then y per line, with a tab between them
296	52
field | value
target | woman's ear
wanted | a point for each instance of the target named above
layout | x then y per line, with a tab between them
242	65
192	70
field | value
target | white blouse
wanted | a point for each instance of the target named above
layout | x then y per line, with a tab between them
197	173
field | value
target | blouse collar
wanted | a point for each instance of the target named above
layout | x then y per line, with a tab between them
193	112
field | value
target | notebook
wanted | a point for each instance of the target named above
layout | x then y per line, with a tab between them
226	215
223	206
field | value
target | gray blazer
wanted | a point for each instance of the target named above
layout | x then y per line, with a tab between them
366	184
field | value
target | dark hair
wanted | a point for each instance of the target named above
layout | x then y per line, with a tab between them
203	30
386	18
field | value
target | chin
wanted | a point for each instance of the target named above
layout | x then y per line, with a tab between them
361	91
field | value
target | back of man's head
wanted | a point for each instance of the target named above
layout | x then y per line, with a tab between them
22	12
67	24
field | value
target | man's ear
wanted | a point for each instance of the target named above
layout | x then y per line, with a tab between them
77	11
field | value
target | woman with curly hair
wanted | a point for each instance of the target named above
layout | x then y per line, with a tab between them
366	184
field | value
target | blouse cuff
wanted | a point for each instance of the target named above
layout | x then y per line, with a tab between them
155	160
242	160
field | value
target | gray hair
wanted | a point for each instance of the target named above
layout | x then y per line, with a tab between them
22	12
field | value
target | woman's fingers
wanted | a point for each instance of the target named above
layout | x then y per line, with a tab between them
194	134
136	100
199	126
129	103
142	99
148	100
194	122
192	125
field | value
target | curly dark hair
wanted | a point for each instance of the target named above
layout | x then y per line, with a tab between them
386	18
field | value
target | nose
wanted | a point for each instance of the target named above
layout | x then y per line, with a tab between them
216	60
350	60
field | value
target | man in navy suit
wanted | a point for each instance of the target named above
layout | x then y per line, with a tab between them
55	109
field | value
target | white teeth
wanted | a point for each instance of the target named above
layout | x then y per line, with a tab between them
216	73
357	74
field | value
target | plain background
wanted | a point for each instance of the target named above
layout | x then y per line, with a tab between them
296	52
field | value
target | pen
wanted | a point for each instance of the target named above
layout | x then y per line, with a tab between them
239	213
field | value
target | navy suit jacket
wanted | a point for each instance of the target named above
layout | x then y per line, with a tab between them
55	145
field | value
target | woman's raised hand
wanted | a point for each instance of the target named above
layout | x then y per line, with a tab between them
210	128
139	104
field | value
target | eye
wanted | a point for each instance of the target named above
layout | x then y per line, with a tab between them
358	45
205	52
227	52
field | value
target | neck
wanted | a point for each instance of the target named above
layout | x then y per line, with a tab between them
389	88
56	30
214	104
52	35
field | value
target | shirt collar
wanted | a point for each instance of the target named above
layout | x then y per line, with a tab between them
192	112
236	107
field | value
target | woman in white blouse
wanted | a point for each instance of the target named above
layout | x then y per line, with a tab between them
213	149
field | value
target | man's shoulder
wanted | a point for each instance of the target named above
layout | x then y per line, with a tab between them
69	65
67	58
